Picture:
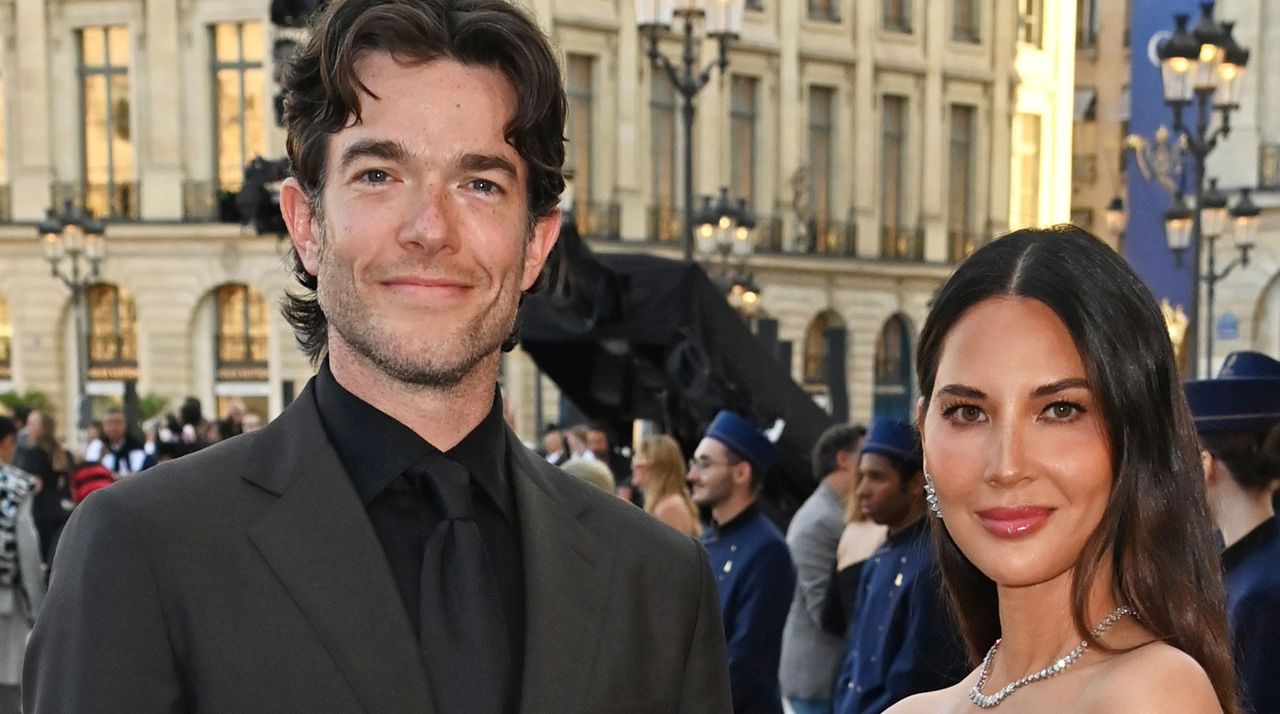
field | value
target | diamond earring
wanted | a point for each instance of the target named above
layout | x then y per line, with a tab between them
931	496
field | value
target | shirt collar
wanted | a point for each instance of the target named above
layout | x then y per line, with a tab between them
738	521
1253	541
376	448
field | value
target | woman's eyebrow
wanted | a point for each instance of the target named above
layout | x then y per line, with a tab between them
1060	386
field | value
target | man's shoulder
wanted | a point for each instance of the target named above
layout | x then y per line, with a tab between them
819	511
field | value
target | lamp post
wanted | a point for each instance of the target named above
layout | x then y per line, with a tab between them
76	241
726	231
723	20
1204	67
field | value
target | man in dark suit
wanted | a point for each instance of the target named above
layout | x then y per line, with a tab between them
386	544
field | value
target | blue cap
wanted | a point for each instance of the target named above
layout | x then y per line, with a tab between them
743	439
897	441
1245	397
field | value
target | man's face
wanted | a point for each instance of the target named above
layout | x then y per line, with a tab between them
598	443
8	447
113	428
884	497
711	473
424	244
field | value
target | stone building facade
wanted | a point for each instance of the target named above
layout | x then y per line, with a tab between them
876	141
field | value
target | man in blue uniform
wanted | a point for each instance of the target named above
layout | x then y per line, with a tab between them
748	556
1234	415
901	639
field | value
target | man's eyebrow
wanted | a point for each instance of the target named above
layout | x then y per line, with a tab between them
1060	386
485	162
384	149
960	390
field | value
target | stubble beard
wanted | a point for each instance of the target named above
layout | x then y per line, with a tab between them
462	348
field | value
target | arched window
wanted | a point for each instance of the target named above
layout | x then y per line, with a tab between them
241	339
6	341
893	369
815	346
113	333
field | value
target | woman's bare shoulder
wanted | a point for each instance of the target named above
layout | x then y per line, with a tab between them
1156	677
952	699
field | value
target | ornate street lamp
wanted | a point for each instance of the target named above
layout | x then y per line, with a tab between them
74	245
1200	68
726	232
723	20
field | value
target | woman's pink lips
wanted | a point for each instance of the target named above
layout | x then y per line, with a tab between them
1014	522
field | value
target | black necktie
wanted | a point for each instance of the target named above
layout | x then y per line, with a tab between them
463	630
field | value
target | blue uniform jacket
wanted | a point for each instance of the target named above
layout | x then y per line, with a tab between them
755	576
1252	568
902	640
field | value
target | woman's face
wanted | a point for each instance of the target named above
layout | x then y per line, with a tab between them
1016	442
640	471
35	426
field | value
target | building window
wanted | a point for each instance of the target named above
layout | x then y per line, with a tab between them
6	341
896	237
113	333
893	369
1086	24
896	15
960	181
815	345
822	106
580	88
242	334
965	18
824	10
239	100
757	5
743	134
1031	22
664	149
110	169
1026	171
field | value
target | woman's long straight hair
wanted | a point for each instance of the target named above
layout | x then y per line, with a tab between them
1165	562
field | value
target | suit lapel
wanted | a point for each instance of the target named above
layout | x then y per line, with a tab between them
567	577
321	545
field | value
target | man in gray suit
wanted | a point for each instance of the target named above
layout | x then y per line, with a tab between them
386	544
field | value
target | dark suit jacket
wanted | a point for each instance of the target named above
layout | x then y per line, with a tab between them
247	578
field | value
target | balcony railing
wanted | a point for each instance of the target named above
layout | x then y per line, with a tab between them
897	243
830	237
962	243
824	10
209	202
6	359
769	235
664	223
598	221
112	202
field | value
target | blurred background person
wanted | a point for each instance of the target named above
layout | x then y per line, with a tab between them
591	471
859	539
749	557
116	448
575	438
810	655
21	575
251	423
50	463
1236	417
554	448
658	470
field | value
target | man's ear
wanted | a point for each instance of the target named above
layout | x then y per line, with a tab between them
304	229
741	473
1207	463
545	233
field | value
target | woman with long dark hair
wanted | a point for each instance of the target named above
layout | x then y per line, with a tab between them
1064	478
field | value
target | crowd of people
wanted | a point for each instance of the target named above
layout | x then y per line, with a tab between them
1047	526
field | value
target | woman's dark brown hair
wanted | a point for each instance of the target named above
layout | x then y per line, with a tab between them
1156	525
322	95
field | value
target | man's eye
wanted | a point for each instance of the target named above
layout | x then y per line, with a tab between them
375	176
484	186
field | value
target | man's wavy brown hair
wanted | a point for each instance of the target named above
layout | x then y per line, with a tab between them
322	96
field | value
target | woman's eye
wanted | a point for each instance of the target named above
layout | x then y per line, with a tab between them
964	413
969	413
1063	410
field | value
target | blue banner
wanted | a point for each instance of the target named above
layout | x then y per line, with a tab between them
1144	245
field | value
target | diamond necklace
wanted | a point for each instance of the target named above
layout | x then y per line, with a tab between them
986	702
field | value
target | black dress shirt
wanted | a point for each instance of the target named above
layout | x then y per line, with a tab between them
376	450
